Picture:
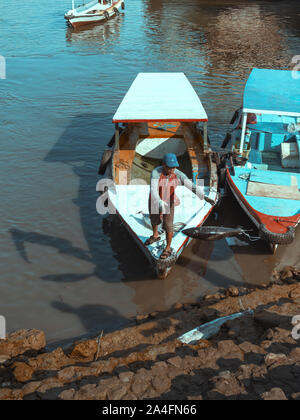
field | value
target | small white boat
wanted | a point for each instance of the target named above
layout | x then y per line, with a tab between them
162	114
93	12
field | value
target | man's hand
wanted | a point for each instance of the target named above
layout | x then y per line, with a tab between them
210	201
163	206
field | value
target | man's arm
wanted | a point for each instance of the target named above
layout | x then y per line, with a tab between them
156	202
199	191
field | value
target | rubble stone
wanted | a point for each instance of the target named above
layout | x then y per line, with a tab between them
254	357
22	341
85	350
22	372
276	394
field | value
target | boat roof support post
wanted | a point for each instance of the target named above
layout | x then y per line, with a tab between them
117	136
205	135
73	4
244	126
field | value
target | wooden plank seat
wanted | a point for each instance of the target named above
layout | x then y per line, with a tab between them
160	129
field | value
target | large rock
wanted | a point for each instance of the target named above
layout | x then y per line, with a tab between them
31	387
227	385
268	319
22	372
47	384
11	394
295	293
233	292
126	377
50	361
276	394
75	373
287	273
229	350
272	358
85	350
68	394
21	341
118	391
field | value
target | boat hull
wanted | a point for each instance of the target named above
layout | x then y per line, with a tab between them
130	202
84	19
157	264
274	229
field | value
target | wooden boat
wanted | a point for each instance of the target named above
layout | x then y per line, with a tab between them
265	172
162	114
93	12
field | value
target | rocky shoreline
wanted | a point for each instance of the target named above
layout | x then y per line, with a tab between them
251	358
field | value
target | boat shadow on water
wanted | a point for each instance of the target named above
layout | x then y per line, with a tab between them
109	245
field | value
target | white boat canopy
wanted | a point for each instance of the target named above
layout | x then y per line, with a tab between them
160	97
272	92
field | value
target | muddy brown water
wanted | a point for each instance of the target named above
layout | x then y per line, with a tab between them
64	268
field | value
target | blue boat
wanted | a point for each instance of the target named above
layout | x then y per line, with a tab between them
264	174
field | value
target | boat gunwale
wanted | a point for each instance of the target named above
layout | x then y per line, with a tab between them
99	13
258	217
211	169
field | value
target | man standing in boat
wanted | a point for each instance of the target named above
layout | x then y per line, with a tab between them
162	199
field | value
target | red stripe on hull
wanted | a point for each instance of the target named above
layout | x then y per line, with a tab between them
159	120
200	224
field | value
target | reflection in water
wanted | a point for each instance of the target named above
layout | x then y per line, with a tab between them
79	147
151	294
246	37
231	39
217	43
102	35
63	264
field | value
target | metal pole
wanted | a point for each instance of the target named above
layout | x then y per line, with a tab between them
205	137
243	132
117	136
73	4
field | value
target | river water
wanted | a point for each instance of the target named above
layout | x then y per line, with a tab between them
64	268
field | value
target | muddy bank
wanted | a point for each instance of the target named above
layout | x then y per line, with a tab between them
255	357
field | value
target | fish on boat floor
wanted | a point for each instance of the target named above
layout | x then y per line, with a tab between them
213	233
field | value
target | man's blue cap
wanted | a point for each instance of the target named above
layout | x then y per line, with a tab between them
171	160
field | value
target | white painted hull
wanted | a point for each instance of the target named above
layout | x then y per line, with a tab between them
137	196
77	17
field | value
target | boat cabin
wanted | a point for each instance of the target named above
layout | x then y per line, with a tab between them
162	114
265	177
269	136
